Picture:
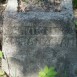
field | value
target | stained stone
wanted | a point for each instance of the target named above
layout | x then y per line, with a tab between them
33	40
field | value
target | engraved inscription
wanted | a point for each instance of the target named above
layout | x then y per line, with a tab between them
39	30
34	41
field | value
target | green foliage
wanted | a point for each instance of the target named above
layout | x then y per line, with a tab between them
25	1
75	24
48	72
1	54
2	73
75	3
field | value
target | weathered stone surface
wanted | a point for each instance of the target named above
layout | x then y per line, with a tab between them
33	40
1	23
2	8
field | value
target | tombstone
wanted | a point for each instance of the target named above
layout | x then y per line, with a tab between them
35	39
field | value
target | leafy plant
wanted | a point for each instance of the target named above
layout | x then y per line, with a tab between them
75	3
48	72
75	24
2	73
25	1
1	54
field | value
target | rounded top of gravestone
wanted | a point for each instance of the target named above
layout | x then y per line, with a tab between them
44	5
33	12
39	5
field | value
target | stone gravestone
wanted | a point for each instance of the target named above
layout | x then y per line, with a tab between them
33	40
